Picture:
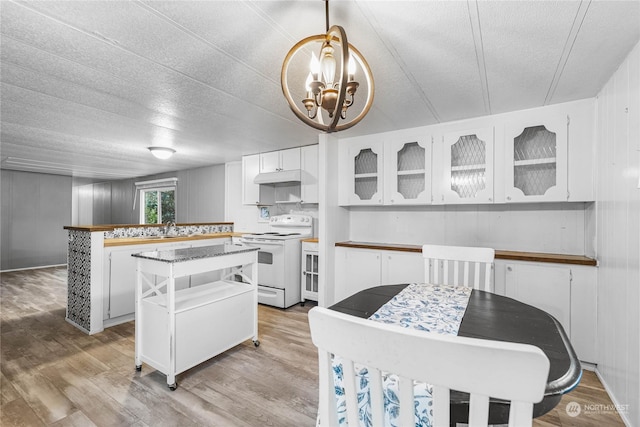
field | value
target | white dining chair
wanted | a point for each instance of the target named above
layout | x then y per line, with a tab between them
483	368
454	259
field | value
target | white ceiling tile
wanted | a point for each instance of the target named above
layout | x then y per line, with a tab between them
96	82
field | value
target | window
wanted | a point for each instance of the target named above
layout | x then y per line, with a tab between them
154	212
157	201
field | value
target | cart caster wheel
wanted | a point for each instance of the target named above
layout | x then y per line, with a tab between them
256	343
173	386
138	368
301	303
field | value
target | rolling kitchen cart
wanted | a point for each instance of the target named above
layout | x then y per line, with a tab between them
177	330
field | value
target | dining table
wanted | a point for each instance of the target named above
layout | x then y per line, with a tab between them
493	317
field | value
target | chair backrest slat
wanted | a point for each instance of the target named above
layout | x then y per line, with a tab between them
459	257
441	398
483	368
350	391
407	415
377	397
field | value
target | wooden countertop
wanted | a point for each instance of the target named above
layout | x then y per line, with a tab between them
111	227
124	241
509	255
312	240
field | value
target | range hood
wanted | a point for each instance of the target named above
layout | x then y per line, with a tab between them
278	177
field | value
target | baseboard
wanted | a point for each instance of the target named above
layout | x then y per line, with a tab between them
624	415
33	268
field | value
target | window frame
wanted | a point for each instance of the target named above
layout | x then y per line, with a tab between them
156	186
158	191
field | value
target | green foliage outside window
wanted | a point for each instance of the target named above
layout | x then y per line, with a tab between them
151	207
167	208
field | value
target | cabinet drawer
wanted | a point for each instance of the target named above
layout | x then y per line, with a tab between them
271	296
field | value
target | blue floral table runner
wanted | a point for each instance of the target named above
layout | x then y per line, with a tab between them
426	307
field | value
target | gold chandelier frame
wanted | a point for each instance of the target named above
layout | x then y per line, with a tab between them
335	35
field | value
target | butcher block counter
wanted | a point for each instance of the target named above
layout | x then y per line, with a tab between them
142	240
102	271
500	254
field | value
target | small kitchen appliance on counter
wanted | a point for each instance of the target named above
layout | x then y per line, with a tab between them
279	258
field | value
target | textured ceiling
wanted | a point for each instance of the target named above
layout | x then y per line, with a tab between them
86	86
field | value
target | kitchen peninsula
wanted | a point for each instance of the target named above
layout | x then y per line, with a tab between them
102	272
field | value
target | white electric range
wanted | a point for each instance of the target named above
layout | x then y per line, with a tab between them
279	258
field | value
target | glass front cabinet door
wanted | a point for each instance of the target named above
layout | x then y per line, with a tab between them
468	166
536	160
407	170
365	163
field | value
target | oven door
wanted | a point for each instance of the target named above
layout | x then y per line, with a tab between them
270	262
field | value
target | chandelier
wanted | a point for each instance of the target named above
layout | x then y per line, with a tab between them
329	102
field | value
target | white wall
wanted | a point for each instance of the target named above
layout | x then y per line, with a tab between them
244	217
333	219
200	198
34	209
618	236
542	227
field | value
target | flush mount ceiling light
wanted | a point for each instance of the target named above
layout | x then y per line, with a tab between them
329	85
162	152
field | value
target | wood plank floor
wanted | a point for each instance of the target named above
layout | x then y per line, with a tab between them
52	374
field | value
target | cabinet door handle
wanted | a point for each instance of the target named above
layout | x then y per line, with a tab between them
509	269
508	197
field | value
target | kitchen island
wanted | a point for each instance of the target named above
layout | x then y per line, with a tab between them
179	329
101	271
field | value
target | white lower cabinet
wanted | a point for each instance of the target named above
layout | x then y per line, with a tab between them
567	292
401	267
120	277
120	291
359	269
310	278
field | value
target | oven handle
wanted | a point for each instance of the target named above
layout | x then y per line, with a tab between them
261	243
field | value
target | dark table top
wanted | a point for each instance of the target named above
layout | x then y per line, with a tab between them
495	317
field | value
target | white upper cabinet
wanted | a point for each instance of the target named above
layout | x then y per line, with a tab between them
393	168
277	161
468	166
362	169
250	190
536	158
407	169
543	154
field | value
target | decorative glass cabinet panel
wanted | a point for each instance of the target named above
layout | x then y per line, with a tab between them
534	160
366	176
310	271
468	160
365	172
408	171
537	161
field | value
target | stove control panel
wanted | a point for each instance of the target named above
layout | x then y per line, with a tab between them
291	220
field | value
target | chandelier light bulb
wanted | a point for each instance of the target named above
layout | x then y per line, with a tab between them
307	84
314	66
351	68
328	63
